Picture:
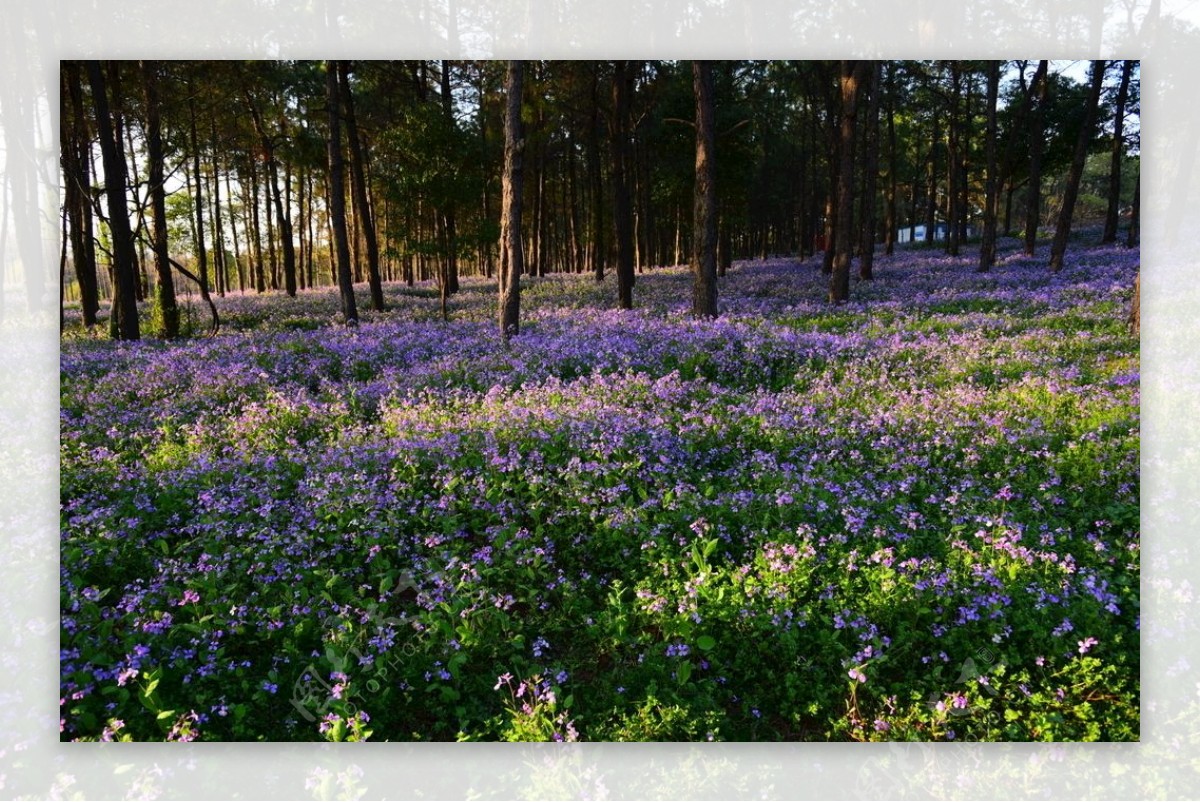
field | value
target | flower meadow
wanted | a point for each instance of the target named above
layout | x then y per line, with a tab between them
911	517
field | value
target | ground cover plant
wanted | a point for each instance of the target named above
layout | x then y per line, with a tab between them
911	517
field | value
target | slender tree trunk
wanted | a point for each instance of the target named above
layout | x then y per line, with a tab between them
201	250
449	213
283	219
704	232
308	223
596	250
488	263
77	190
890	211
218	230
1033	196
953	162
168	311
237	251
337	198
303	202
1112	215
987	250
839	284
272	251
260	281
511	256
867	259
124	273
142	284
362	203
1063	230
622	90
931	198
572	201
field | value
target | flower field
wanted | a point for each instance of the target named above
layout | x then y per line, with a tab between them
912	517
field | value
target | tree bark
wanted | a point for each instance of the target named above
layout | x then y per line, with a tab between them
77	189
337	198
597	253
839	282
124	273
953	162
866	262
511	256
1033	197
282	219
1063	230
987	250
201	249
890	213
448	213
168	311
1112	215
704	233
622	89
362	205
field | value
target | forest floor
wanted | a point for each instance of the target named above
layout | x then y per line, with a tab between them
911	517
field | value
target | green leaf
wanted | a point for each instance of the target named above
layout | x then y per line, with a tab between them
685	671
706	642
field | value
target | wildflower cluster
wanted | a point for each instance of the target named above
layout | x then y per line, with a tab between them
792	522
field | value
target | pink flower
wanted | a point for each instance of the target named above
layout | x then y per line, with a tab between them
1086	644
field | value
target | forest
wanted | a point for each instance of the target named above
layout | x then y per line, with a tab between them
599	400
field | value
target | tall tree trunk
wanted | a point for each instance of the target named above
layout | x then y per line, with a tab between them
987	250
953	162
622	89
77	189
362	203
140	270
448	213
1063	230
124	274
839	283
488	263
304	245
272	250
931	197
337	198
867	259
890	221
168	311
218	230
237	251
201	250
704	231
572	203
283	220
260	280
308	223
511	257
1033	196
597	254
1112	215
